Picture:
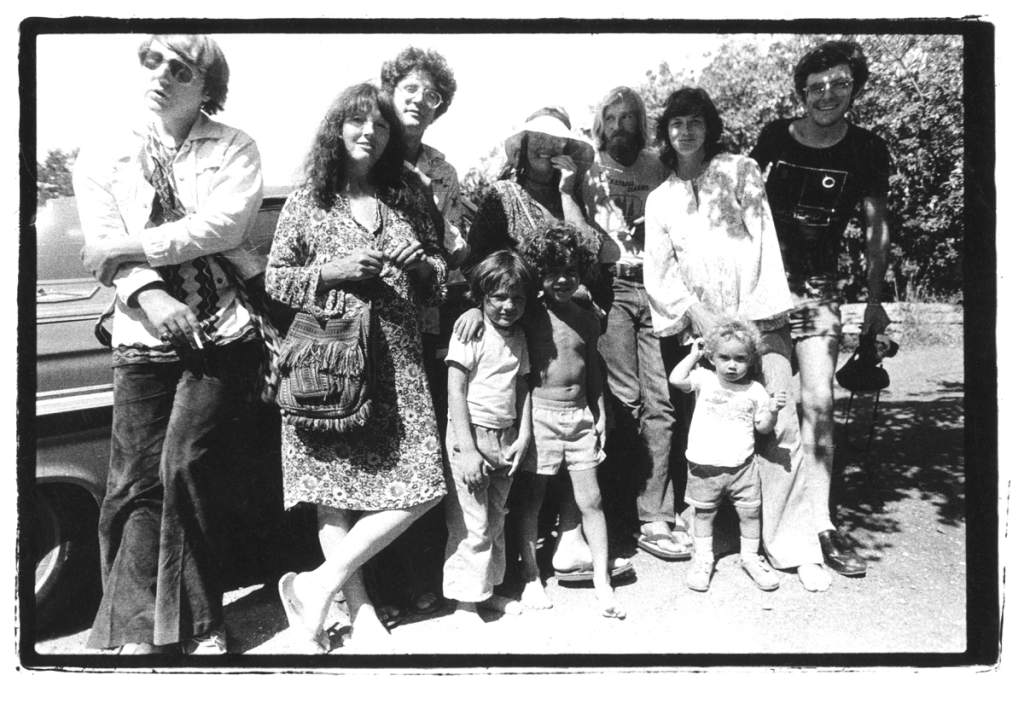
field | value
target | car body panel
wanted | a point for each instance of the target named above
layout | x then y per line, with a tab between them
74	379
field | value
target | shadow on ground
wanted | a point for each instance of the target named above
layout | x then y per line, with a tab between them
917	452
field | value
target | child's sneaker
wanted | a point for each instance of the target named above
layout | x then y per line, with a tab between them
699	576
760	571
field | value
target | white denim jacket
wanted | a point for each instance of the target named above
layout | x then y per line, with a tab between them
217	178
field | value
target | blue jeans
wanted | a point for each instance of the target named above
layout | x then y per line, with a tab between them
644	414
160	541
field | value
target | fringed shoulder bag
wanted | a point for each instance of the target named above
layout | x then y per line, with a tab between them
328	372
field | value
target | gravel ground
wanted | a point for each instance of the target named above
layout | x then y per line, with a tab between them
902	502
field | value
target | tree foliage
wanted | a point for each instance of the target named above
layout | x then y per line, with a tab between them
913	100
53	178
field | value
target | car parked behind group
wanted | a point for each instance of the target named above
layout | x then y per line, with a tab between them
74	394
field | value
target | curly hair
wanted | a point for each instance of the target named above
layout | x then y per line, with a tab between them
327	158
558	245
739	329
501	270
205	55
430	62
826	56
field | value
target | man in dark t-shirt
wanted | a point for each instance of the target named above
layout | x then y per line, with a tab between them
817	169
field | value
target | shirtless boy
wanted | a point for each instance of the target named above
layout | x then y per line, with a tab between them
568	406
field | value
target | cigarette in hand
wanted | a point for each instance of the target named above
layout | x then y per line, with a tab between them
199	342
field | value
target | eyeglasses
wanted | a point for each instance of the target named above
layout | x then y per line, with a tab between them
180	71
431	98
841	86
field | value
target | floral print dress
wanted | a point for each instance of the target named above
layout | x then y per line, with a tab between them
395	460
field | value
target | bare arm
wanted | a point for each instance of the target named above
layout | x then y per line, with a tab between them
680	376
524	412
595	379
471	469
876	230
769	415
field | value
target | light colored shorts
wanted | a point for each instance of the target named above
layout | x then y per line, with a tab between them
707	484
563	431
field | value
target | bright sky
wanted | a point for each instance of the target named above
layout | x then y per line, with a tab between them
282	84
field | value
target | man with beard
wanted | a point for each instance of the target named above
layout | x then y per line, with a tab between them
618	183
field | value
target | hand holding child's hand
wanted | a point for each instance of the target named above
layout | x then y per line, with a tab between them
779	399
472	470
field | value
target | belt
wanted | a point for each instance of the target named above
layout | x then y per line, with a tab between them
630	272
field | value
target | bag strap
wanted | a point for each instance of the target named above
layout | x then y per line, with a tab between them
256	301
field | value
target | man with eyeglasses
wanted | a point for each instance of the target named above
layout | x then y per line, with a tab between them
166	208
818	169
423	87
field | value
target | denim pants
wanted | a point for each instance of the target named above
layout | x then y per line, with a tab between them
475	553
160	540
644	413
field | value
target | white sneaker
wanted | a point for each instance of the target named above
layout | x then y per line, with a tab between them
760	571
699	576
214	642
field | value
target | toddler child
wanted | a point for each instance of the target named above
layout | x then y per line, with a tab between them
488	434
720	451
567	405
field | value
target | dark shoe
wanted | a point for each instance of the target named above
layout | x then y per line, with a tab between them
839	555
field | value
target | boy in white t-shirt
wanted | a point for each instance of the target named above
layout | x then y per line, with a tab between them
720	451
489	431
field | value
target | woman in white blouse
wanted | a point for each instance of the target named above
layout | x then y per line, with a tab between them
710	251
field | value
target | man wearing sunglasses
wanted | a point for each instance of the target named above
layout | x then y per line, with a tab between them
166	207
818	169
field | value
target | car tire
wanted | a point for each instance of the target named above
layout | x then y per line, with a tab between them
63	549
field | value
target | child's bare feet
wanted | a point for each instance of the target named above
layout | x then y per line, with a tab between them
610	607
814	577
534	596
502	605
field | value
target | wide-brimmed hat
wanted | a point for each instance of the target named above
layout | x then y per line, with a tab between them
553	121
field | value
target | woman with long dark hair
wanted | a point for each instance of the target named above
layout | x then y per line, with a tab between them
354	234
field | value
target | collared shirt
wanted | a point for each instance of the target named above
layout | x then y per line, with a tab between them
218	180
444	181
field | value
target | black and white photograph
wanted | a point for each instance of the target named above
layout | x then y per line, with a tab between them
422	346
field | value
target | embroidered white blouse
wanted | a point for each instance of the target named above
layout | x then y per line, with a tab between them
712	241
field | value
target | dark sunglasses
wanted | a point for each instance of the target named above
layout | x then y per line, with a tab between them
180	71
